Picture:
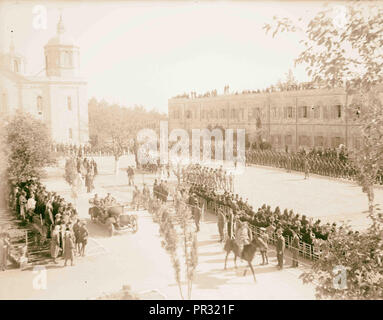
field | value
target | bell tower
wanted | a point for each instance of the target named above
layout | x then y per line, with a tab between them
61	54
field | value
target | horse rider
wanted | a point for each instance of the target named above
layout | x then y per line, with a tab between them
221	224
230	224
243	234
306	168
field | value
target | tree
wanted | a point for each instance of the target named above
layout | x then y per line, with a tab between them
342	48
114	128
27	153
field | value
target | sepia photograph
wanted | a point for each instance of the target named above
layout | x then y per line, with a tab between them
191	150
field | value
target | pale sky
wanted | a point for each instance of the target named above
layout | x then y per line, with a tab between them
147	52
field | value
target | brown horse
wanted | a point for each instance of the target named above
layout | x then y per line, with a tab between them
247	253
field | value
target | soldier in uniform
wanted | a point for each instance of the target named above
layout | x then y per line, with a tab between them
306	168
193	201
295	247
280	246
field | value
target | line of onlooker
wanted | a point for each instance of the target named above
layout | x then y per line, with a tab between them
52	217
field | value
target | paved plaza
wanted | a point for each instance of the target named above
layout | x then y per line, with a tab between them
121	255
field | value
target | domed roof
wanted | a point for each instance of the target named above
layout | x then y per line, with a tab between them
61	38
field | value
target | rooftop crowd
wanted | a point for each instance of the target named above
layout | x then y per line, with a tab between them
277	88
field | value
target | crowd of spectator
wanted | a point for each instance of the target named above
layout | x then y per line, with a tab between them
52	217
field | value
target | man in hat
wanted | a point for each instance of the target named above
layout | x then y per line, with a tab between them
22	204
69	247
83	237
193	201
280	247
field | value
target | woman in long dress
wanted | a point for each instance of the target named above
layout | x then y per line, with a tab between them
69	248
55	243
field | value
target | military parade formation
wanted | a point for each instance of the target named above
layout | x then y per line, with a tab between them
329	162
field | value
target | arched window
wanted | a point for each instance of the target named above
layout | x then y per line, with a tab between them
67	59
39	104
69	103
15	66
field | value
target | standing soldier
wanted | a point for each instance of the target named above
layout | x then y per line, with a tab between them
295	247
280	248
288	163
83	237
193	201
306	167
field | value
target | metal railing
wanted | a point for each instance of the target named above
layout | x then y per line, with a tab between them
305	250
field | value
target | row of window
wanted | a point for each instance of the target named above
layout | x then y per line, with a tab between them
39	104
308	141
304	112
66	61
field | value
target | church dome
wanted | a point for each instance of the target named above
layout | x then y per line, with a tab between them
61	38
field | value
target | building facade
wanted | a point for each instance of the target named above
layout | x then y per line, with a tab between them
59	97
287	119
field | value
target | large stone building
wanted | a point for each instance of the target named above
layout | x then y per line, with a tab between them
293	119
58	97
